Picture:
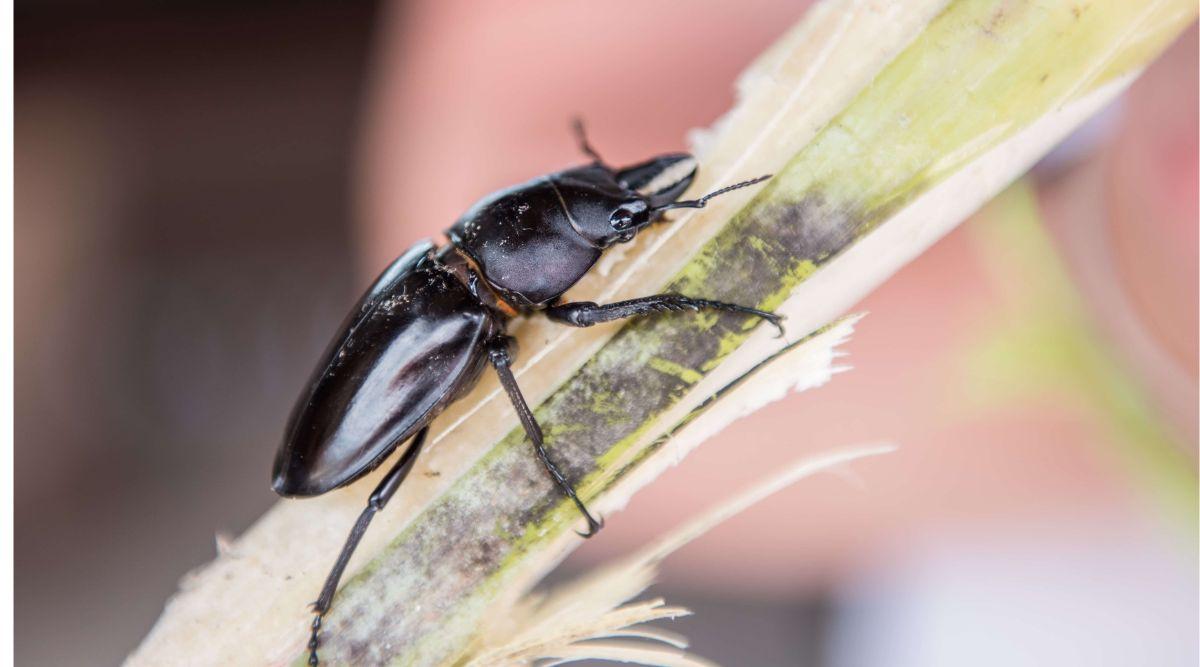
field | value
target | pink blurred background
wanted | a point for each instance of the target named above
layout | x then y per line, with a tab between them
202	190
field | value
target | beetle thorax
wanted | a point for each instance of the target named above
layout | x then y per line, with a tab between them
530	243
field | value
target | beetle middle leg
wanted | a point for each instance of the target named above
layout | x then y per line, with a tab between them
586	313
379	498
501	360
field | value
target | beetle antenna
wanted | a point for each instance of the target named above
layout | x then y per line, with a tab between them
699	203
581	137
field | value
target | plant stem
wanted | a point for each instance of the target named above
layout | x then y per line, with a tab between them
885	125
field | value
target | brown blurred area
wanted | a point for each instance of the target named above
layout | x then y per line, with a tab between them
183	252
202	189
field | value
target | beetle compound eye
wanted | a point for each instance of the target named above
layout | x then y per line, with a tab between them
630	214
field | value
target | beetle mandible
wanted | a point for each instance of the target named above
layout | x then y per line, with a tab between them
423	333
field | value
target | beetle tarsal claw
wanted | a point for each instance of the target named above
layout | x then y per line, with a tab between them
594	526
777	321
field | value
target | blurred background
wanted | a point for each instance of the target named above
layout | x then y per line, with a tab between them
203	188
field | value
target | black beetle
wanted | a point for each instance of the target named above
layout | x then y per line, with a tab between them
420	337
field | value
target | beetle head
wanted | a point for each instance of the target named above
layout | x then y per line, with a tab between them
609	206
648	187
643	193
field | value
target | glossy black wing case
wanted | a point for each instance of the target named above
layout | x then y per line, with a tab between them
412	345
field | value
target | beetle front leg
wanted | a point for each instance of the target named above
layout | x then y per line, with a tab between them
586	313
501	360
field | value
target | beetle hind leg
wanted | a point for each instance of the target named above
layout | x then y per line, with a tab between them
501	360
379	498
